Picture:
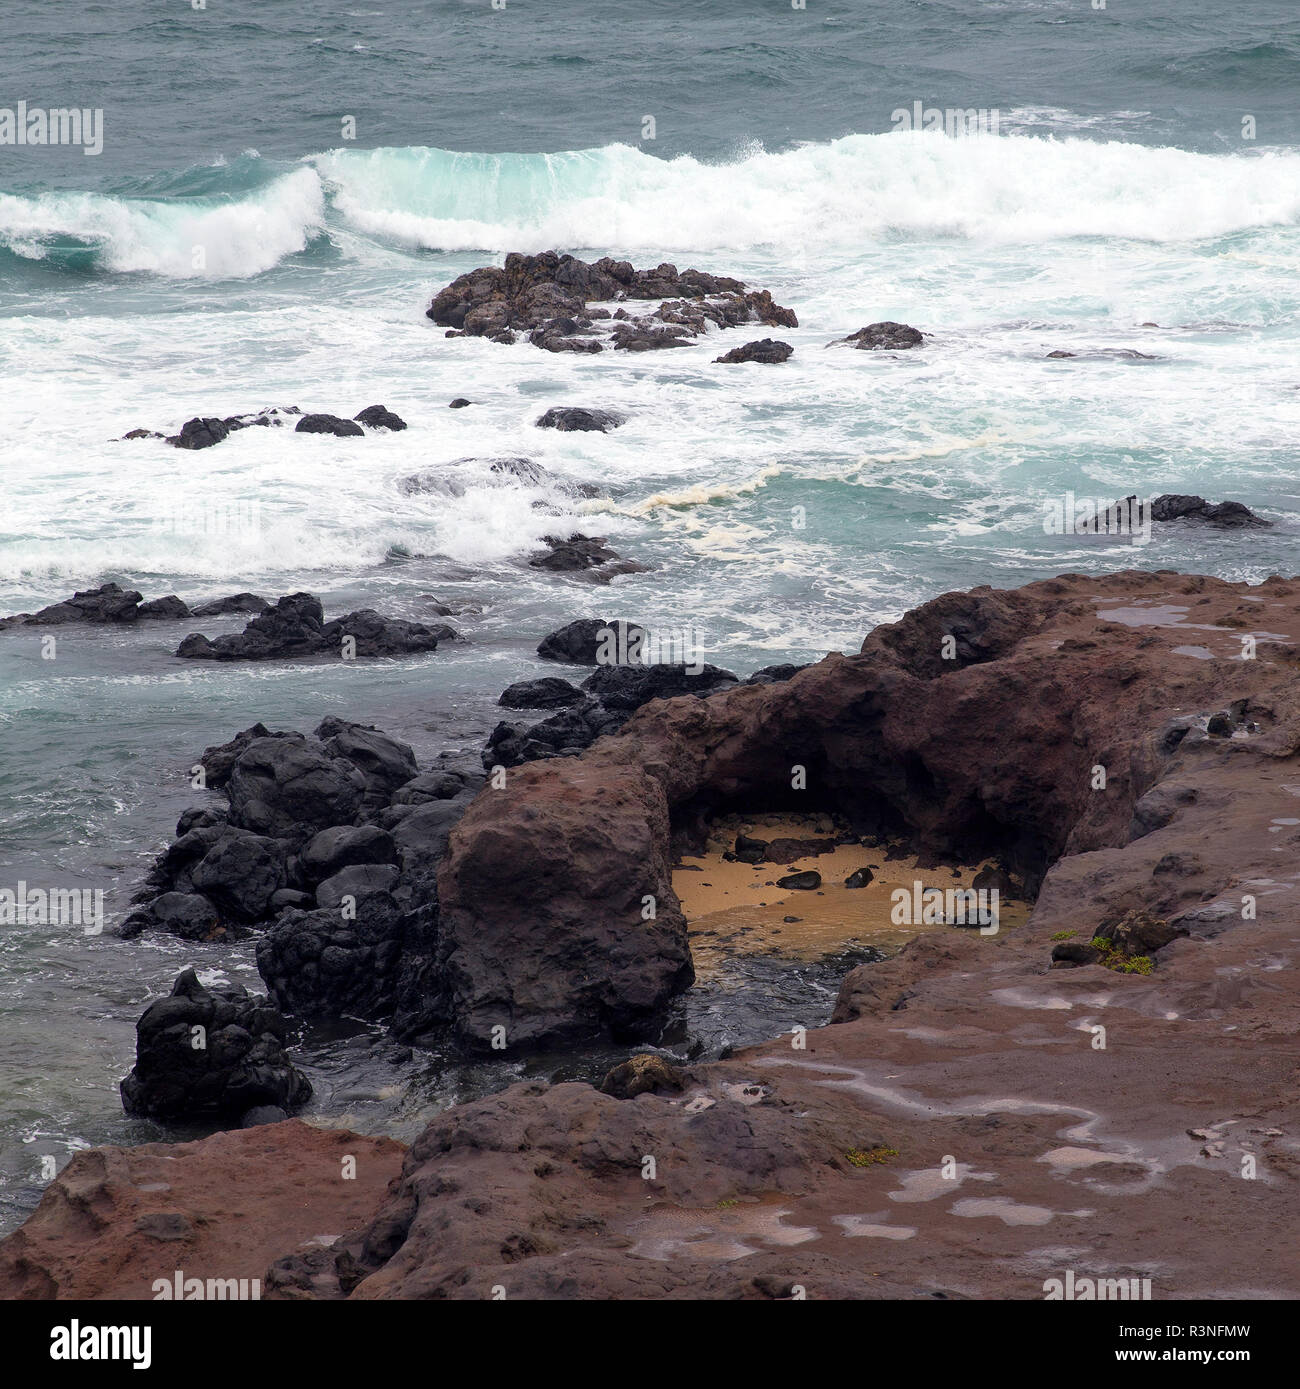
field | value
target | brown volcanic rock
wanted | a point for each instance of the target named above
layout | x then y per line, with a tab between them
962	1130
523	948
991	753
976	1123
116	1219
492	1193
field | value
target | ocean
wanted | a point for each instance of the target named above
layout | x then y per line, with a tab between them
280	192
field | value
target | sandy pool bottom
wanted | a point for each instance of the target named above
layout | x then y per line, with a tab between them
736	908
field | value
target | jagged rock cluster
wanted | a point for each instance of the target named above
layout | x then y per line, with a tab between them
296	626
549	298
203	432
213	1053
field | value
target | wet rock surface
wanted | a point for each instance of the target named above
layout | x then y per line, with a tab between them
788	1163
767	350
216	1052
550	296
885	336
588	556
295	626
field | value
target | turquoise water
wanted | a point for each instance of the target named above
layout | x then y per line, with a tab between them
785	511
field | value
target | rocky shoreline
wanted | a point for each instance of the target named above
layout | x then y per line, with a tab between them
996	1107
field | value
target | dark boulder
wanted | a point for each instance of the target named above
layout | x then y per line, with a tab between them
375	962
549	692
109	603
629	687
356	882
218	761
567	418
170	609
459	403
807	881
886	336
1175	507
296	626
235	603
292	789
789	850
188	915
431	786
291	627
384	762
860	877
342	846
769	675
581	643
584	554
750	850
200	434
199	817
379	417
329	424
764	350
565	733
211	1053
421	834
240	873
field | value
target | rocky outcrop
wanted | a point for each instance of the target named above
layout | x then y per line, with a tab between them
549	692
568	973
896	740
1173	507
108	604
886	336
329	424
568	418
379	417
295	626
211	1054
116	1220
548	296
764	350
580	643
587	555
233	603
602	705
205	432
